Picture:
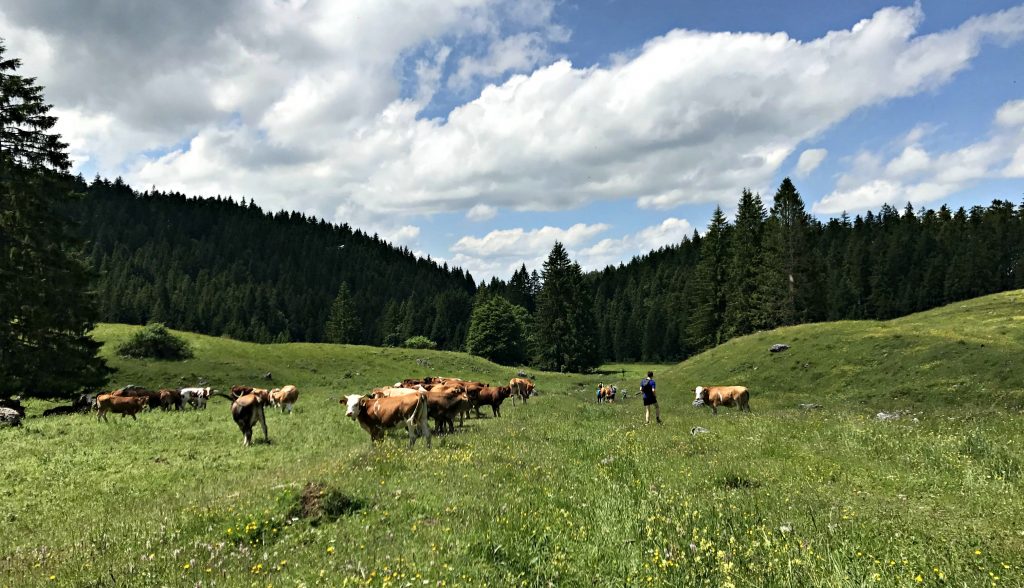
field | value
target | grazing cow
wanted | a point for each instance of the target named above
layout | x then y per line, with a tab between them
492	396
377	414
170	397
521	387
247	410
83	403
715	396
285	398
122	405
132	391
197	397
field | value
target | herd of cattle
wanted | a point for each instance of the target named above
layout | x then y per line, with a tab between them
409	403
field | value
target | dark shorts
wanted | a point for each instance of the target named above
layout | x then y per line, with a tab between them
650	399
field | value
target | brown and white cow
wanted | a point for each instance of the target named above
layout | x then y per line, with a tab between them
122	405
285	398
377	414
391	391
715	396
247	410
521	387
197	397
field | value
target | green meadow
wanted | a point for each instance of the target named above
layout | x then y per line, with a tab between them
561	491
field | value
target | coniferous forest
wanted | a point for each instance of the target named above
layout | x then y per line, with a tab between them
223	267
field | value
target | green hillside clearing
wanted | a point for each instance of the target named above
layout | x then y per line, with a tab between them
561	491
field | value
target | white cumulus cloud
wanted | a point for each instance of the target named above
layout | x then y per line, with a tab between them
809	161
918	176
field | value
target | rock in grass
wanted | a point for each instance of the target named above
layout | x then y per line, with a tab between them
810	406
698	430
9	417
778	347
887	416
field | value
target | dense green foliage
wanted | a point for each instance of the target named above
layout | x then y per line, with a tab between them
216	266
563	330
419	342
155	342
342	323
787	268
46	306
520	499
497	331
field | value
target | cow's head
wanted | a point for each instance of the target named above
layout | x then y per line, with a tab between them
504	391
353	404
700	395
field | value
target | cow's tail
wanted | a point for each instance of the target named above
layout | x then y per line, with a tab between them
418	419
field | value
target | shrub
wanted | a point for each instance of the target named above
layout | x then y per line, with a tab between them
419	342
154	341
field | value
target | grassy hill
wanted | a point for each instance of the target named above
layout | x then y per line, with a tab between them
561	491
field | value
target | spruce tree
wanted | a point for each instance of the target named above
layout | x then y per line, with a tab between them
46	306
707	326
342	323
745	285
790	277
564	329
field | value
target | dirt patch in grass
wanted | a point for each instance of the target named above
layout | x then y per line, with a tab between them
318	503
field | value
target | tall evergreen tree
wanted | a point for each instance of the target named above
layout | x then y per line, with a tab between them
342	323
564	328
790	277
46	306
707	327
745	286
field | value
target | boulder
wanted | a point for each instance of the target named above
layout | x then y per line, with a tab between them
9	417
698	430
778	347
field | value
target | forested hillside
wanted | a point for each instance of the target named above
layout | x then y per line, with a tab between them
217	266
782	267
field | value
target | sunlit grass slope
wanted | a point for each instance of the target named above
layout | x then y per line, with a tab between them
560	492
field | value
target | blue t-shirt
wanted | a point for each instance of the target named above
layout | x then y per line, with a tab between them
643	388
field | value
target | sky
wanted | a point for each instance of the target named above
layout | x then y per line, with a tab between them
478	132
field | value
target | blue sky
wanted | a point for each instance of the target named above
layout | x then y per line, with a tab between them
479	131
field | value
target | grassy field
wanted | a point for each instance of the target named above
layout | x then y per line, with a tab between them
562	491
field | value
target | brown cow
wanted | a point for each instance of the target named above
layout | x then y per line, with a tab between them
715	396
122	405
521	387
170	397
492	396
443	403
377	414
152	397
238	391
284	398
247	410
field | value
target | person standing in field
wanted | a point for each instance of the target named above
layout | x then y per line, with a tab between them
650	396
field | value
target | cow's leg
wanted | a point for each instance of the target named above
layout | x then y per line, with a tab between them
714	410
263	423
133	417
